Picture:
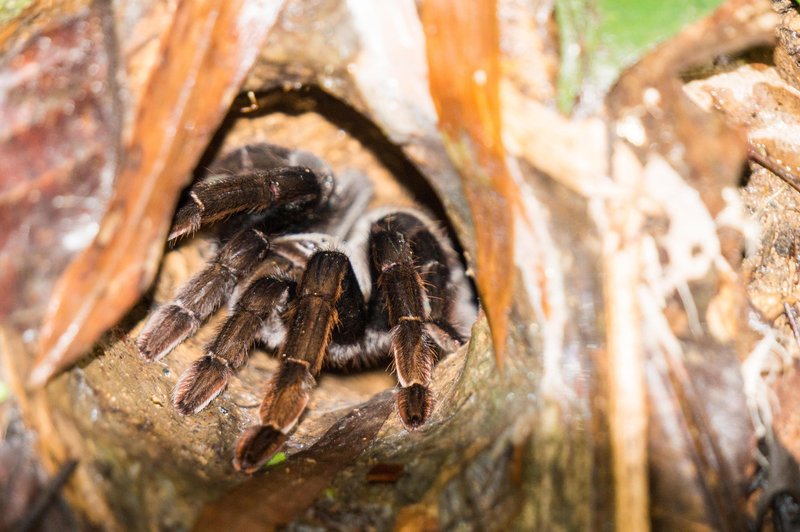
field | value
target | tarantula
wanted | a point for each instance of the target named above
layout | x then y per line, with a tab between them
318	279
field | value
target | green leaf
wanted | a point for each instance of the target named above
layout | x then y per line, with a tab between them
4	392
277	459
9	9
600	38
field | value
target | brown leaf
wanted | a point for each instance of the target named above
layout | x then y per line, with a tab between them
698	435
210	47
699	441
463	59
759	100
698	143
786	410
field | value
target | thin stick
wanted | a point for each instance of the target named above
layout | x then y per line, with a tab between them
774	166
791	315
44	500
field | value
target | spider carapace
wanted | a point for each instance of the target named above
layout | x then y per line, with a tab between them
318	278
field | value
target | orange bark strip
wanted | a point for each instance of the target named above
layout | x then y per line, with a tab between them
208	50
463	61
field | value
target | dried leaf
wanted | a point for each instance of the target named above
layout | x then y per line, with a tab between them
701	145
684	155
699	439
786	409
758	99
463	57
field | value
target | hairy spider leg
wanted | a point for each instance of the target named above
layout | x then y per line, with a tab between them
220	196
203	294
413	282
371	348
329	307
434	267
257	314
260	307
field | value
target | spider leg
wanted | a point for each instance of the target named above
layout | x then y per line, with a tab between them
436	269
371	348
220	196
202	295
414	283
329	307
260	307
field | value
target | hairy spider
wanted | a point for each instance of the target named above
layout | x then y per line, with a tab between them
316	277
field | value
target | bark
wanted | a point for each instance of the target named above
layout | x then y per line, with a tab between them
602	384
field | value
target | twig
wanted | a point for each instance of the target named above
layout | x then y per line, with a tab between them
791	315
37	511
774	166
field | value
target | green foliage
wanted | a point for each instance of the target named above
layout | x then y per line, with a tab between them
600	38
277	459
9	9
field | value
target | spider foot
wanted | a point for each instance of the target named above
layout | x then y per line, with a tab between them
200	384
414	404
166	328
188	219
255	446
